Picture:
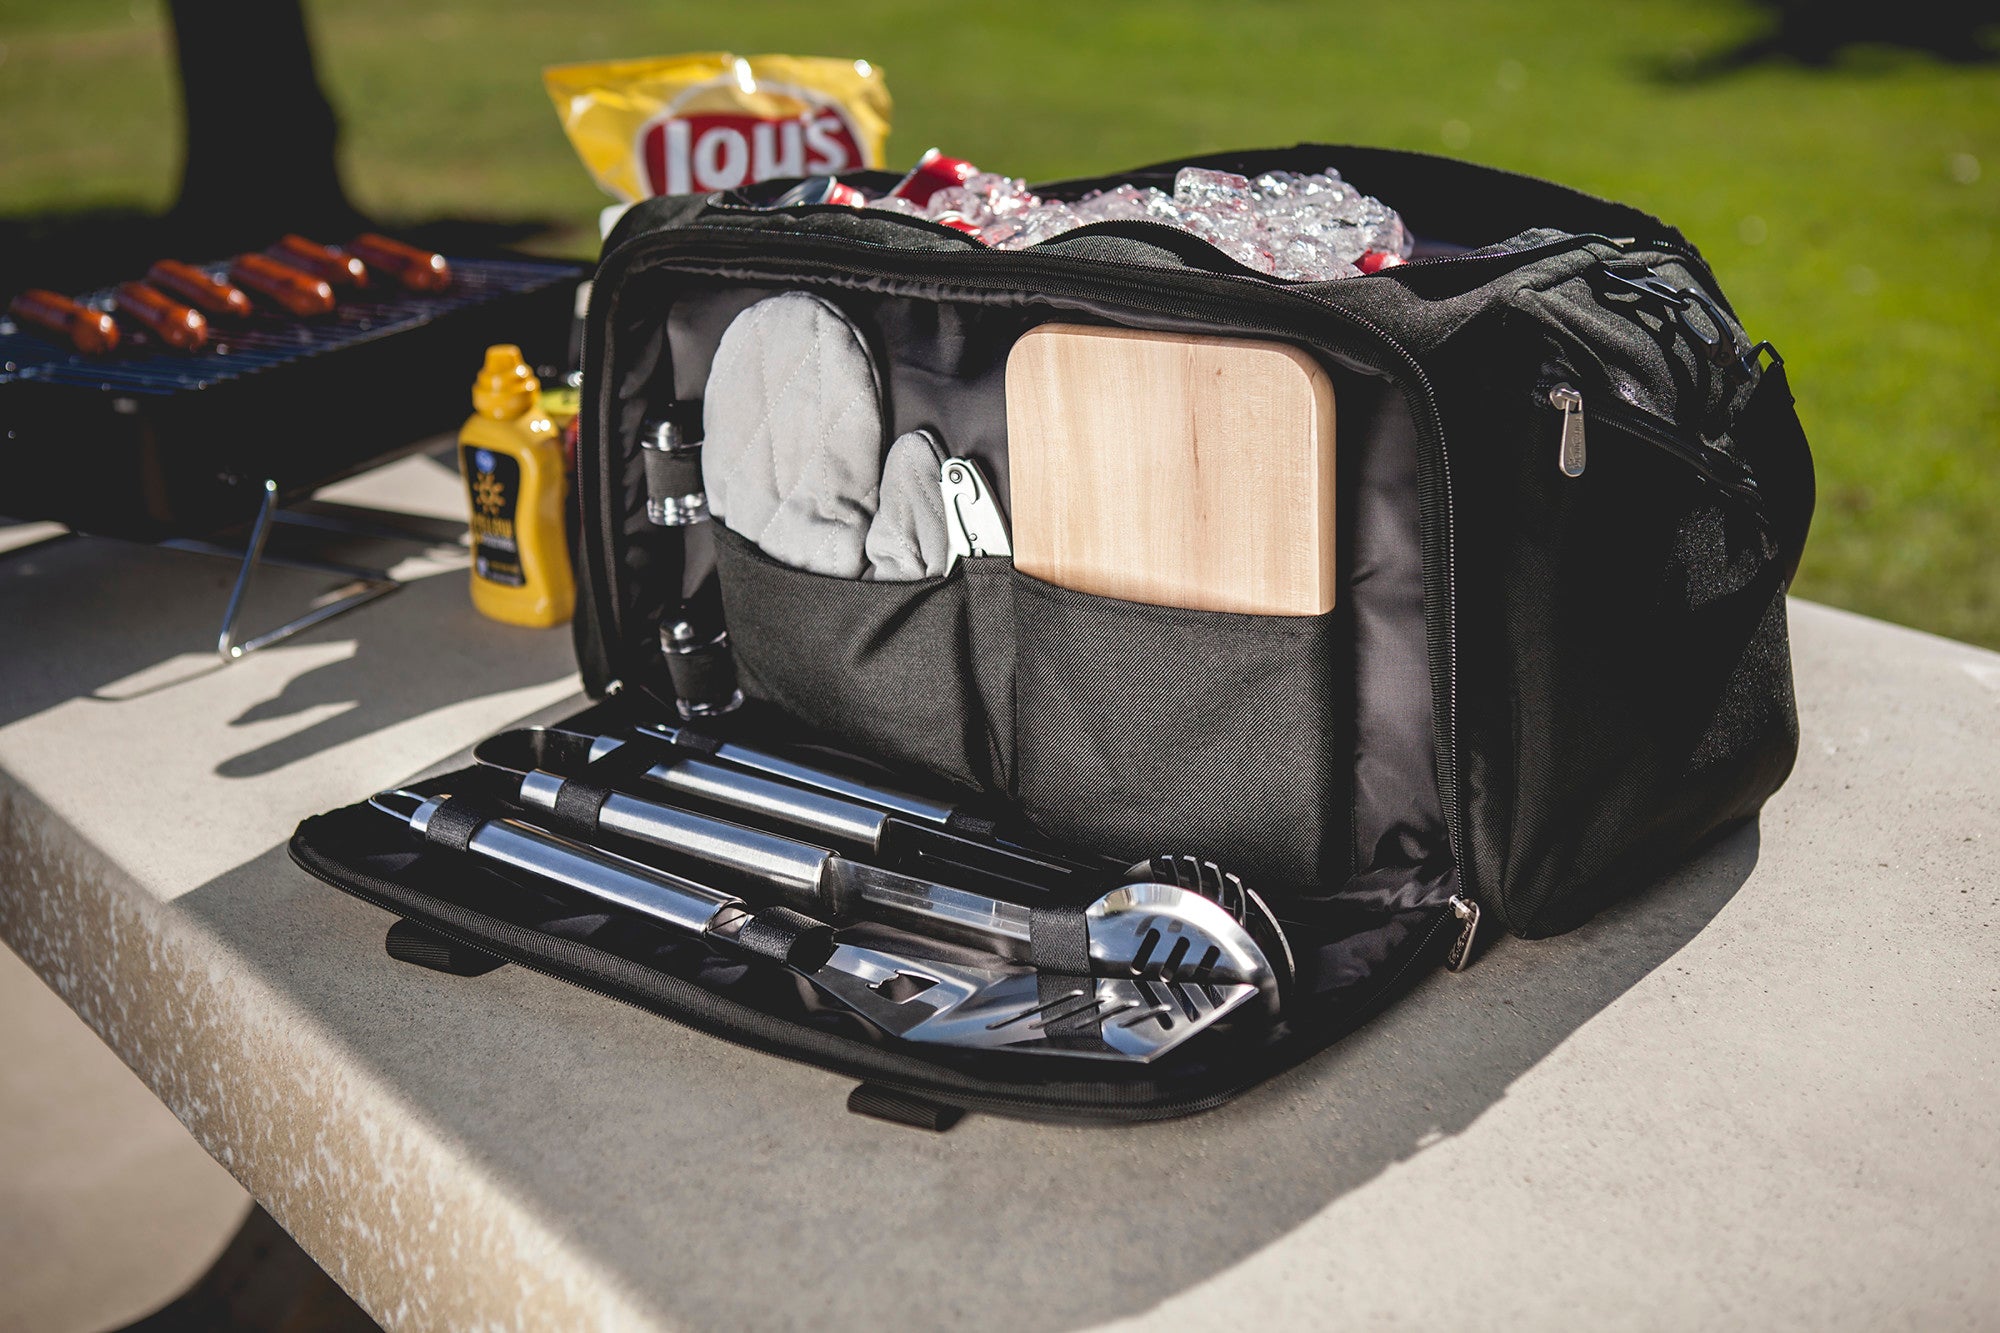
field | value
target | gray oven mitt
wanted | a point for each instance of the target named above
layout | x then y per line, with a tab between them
791	451
907	540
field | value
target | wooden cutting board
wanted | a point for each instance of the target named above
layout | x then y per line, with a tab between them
1175	469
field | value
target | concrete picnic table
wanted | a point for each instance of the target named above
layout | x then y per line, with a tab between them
1763	1093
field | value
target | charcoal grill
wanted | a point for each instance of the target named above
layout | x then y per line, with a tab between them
152	445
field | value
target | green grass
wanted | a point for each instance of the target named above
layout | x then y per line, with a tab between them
1834	204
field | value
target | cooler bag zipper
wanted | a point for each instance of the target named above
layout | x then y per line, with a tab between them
1718	469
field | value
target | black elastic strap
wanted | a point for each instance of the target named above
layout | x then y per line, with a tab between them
453	823
577	806
1059	940
696	743
627	762
970	826
785	936
903	1108
672	474
1059	948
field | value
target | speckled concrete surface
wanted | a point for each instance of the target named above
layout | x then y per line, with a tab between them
1759	1095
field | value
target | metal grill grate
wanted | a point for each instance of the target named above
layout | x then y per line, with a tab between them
245	347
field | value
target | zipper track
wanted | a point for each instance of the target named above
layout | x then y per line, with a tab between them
827	256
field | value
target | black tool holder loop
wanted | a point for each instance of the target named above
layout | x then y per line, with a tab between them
702	669
675	497
699	662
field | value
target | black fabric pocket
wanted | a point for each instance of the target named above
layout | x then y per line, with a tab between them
916	674
1144	729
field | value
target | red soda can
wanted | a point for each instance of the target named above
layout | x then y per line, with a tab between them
933	172
820	190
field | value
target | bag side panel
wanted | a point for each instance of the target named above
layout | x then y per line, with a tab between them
1627	686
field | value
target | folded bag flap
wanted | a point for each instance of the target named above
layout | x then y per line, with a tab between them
1352	966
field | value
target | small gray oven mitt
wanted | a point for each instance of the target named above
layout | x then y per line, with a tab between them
908	539
792	434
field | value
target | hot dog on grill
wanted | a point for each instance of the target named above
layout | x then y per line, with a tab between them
178	326
198	289
298	293
87	330
326	264
418	270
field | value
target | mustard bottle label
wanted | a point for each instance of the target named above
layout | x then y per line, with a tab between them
495	481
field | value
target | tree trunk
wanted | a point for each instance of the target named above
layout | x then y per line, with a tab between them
260	134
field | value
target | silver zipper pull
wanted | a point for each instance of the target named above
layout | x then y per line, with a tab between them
1569	457
1467	911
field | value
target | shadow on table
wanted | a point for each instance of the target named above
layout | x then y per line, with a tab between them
375	687
675	1161
137	621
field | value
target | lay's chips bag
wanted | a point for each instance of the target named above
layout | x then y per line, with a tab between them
686	124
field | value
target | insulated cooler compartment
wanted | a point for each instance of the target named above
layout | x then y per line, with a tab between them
1128	728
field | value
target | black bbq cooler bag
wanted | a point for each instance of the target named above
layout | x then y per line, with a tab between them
1554	665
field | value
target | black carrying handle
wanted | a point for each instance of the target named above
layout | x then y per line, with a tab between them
1773	443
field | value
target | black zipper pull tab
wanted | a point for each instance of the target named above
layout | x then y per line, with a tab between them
1466	911
1570	454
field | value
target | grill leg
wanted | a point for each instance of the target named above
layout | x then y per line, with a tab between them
260	532
366	584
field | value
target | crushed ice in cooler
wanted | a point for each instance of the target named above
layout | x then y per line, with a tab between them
1301	228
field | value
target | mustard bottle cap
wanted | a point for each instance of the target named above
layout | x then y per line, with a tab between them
506	388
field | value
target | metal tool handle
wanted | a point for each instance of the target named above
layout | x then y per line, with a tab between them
815	812
806	775
791	867
655	893
809	878
848	825
942	912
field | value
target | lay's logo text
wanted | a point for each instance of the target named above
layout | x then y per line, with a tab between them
682	154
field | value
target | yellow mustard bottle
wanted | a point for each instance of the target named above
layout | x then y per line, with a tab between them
510	455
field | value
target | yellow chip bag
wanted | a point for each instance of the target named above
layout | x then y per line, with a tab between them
683	124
